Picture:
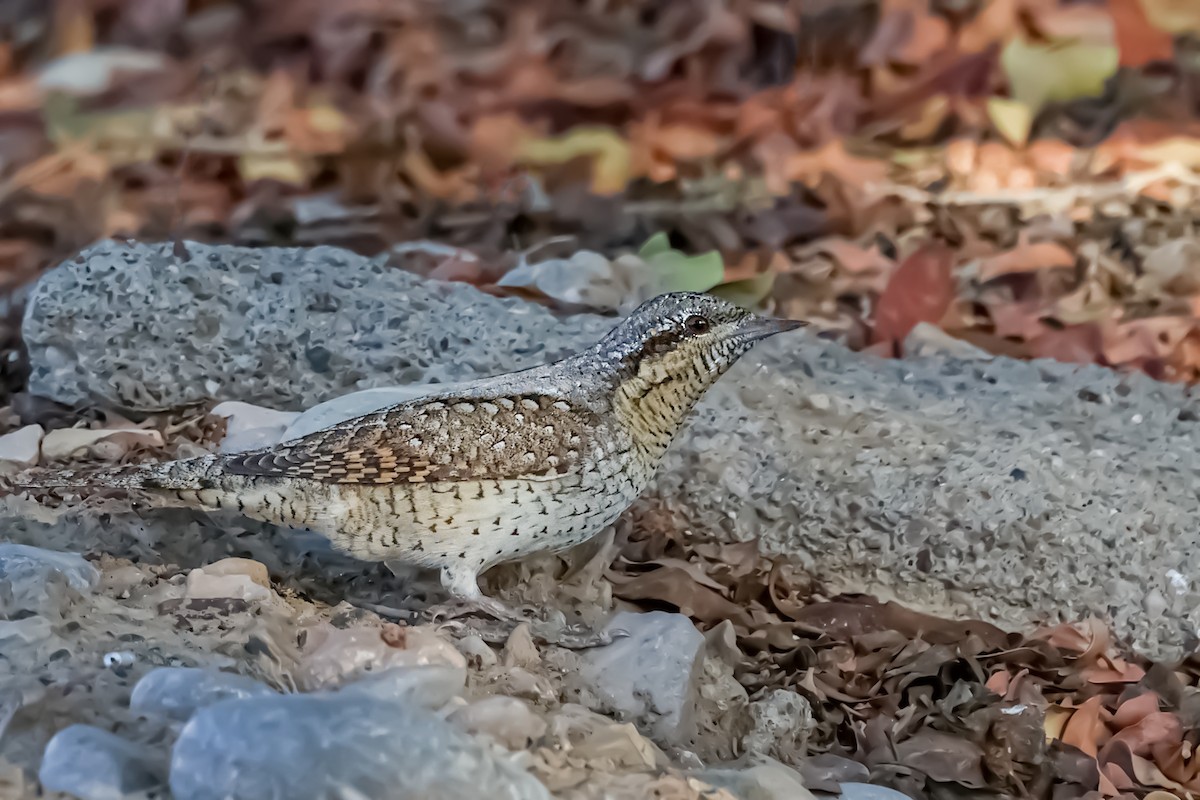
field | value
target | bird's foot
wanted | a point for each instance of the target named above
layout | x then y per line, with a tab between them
458	606
578	636
550	629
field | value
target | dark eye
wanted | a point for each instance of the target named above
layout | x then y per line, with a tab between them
696	324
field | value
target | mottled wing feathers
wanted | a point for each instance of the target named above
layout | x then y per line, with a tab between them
532	437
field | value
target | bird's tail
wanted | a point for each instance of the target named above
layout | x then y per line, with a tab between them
188	474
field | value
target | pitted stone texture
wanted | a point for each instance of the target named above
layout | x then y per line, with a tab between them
285	328
1018	492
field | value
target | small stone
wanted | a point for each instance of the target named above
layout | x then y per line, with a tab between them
926	340
430	686
651	675
781	723
508	720
248	426
254	570
107	444
334	656
520	682
338	744
867	791
205	585
761	778
176	692
31	577
93	764
478	652
22	447
620	744
21	562
93	71
519	650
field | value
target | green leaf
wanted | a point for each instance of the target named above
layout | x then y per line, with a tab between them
1043	73
1011	118
656	245
678	272
747	293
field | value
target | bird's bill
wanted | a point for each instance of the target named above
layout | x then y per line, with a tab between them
757	327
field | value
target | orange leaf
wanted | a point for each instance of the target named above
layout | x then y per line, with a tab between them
1113	781
686	142
1153	337
1090	642
1157	728
920	290
1138	41
1135	709
855	259
1085	729
995	22
1026	257
1112	670
1078	344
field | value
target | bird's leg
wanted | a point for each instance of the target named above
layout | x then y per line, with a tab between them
466	598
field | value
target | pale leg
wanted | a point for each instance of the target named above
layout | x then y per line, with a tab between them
463	587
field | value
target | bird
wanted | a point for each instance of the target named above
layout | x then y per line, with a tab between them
485	472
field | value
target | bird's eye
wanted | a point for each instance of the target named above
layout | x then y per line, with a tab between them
696	324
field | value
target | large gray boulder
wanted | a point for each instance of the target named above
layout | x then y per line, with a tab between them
282	328
1018	492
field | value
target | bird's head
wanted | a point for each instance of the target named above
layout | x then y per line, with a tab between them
683	341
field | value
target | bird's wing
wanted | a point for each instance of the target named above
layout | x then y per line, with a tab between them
531	437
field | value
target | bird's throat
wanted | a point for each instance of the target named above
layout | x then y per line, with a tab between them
655	402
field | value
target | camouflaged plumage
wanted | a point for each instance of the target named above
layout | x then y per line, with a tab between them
527	437
497	469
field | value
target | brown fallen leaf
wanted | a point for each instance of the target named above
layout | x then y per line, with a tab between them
852	257
1139	41
1086	729
1155	729
676	587
1026	257
921	289
944	757
1151	338
1135	709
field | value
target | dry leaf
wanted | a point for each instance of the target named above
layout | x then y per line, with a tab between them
1026	257
920	290
1086	729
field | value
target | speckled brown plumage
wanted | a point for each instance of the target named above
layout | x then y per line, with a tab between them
486	472
532	437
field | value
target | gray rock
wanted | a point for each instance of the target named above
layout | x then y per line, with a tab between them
651	676
1014	491
176	692
781	723
342	744
926	339
31	576
93	764
281	328
759	778
23	446
426	685
867	791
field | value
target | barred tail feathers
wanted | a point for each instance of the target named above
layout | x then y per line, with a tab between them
192	473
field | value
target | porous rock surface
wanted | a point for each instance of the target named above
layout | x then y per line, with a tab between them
1018	492
281	328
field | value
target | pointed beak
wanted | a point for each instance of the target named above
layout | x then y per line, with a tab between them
757	328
